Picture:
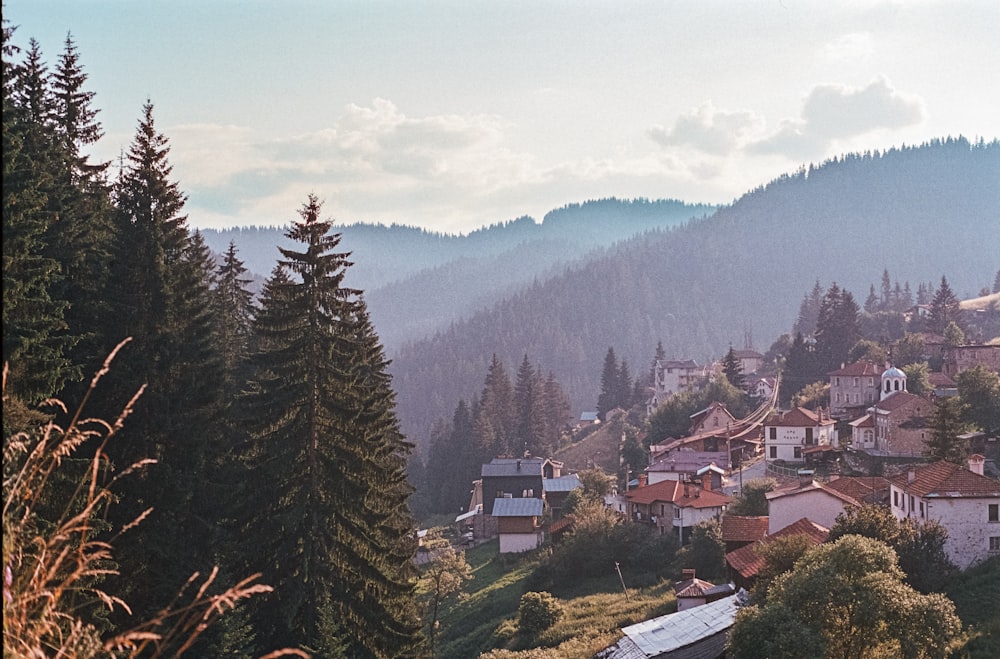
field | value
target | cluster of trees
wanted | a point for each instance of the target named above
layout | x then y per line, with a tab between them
529	415
618	390
276	446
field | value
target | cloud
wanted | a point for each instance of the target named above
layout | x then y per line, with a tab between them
709	129
837	112
853	46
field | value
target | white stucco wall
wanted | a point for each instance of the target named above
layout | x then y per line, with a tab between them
967	521
819	506
513	543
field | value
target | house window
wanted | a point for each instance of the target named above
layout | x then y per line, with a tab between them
855	382
995	543
895	498
838	396
994	512
836	382
677	513
527	494
772	433
911	503
922	509
774	452
809	436
797	452
661	509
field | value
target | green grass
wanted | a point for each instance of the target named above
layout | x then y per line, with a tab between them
486	617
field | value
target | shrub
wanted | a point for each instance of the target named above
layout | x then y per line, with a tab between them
538	612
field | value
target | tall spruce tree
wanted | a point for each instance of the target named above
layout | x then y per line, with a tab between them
944	308
732	368
495	420
36	342
331	531
610	384
160	297
837	328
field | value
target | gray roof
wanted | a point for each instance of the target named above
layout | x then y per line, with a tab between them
509	467
561	484
659	636
504	507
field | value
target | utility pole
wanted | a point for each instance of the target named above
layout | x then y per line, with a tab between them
620	577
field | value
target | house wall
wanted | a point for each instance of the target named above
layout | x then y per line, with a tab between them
684	519
512	485
516	525
902	432
965	518
852	391
514	543
819	506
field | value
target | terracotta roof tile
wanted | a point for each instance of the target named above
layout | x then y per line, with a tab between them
946	479
869	488
739	528
858	369
674	492
898	400
748	562
798	417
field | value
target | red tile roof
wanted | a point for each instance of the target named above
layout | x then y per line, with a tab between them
869	488
798	417
739	528
858	369
692	588
679	494
947	479
748	562
898	400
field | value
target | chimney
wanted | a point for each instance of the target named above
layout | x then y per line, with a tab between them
687	489
642	480
976	462
805	477
688	573
910	475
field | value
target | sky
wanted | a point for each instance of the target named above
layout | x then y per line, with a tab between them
460	114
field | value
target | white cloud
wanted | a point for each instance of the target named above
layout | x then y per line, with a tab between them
836	112
847	47
709	129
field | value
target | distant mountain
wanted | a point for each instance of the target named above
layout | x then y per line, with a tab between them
920	212
417	281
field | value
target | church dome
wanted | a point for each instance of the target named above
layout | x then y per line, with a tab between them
893	372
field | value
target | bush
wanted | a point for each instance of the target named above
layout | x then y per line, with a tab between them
538	612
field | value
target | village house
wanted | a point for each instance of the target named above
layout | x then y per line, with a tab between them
692	591
788	433
555	491
672	377
760	388
516	478
816	501
519	524
674	507
750	361
684	464
961	358
961	499
854	388
714	418
742	530
746	562
902	425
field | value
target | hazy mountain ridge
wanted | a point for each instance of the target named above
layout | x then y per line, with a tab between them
920	212
418	281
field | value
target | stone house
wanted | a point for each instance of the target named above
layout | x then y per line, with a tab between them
962	358
902	425
853	389
963	500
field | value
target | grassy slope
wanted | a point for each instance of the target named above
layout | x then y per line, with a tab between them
487	616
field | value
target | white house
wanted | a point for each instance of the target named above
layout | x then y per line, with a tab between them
788	433
674	507
807	498
964	501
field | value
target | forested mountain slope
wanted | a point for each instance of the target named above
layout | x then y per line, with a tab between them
919	212
417	281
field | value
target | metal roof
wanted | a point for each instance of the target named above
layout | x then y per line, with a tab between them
561	484
658	636
504	507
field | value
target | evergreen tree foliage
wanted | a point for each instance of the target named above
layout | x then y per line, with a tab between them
837	328
944	308
610	385
979	390
800	369
332	531
495	421
808	316
159	295
235	309
35	338
946	426
732	368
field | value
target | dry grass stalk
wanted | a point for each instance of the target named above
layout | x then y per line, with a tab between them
51	567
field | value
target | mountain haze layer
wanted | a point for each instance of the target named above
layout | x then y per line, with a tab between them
920	212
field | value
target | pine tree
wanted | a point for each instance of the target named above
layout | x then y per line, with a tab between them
35	338
732	368
495	420
610	383
947	425
331	532
160	296
944	308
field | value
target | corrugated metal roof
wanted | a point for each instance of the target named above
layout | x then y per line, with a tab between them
514	467
676	630
518	507
561	484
